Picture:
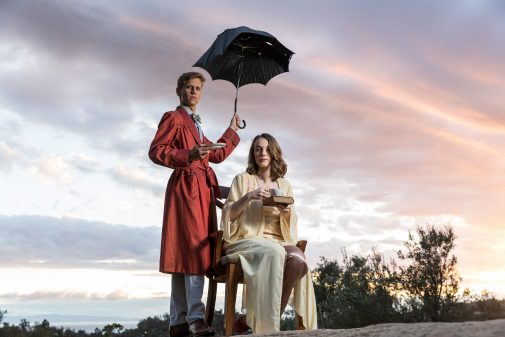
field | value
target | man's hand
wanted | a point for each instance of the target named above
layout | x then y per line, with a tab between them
198	153
235	122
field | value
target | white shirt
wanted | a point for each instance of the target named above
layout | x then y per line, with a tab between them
198	125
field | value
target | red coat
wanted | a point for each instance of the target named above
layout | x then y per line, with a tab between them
184	242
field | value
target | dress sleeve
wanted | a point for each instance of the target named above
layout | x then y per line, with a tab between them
230	228
290	228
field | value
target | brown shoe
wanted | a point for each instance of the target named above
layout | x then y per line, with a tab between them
241	327
200	328
180	330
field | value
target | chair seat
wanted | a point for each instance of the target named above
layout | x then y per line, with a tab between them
230	258
220	270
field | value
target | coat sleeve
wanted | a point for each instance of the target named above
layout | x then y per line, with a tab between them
231	139
165	148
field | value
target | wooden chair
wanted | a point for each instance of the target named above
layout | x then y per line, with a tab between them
226	269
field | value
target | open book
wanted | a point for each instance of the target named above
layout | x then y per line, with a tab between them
277	200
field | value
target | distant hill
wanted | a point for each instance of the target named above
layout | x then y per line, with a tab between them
75	322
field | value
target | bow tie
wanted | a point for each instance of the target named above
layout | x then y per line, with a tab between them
196	118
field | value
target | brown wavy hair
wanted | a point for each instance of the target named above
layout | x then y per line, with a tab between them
189	76
278	166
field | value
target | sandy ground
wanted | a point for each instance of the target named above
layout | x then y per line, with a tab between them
495	328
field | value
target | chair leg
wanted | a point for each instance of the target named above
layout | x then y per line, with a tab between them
211	302
232	278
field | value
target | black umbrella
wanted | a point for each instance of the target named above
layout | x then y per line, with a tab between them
243	55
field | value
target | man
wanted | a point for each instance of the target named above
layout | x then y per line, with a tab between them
180	144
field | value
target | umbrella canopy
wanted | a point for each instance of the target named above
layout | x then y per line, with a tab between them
243	55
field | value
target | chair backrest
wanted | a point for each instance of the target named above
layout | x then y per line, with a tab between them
215	202
224	194
216	236
225	190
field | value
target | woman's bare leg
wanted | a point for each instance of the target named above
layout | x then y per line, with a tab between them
295	268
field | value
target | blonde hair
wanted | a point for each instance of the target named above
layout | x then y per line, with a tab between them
189	76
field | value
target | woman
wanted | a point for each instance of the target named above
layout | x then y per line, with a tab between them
264	237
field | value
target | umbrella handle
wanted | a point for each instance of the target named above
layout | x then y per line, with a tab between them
243	121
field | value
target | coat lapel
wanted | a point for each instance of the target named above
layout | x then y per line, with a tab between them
190	124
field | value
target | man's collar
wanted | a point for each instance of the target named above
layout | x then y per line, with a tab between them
196	117
188	109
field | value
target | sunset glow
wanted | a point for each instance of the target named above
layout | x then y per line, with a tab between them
391	116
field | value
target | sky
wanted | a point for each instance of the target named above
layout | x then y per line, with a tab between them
392	116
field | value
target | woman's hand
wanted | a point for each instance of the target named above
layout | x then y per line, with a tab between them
238	207
285	211
259	194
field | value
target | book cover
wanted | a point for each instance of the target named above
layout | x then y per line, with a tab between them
278	200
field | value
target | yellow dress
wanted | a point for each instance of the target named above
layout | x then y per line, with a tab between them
272	229
258	236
